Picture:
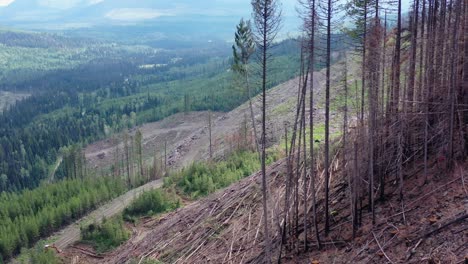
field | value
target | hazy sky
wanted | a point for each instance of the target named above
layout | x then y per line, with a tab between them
92	12
65	4
68	4
5	2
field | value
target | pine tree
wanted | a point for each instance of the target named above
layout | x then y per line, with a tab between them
243	49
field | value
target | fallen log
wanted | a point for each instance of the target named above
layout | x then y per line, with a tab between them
460	218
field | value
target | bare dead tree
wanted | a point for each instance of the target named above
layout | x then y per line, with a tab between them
412	63
117	162
327	115
347	175
127	158
421	55
304	147
267	18
310	28
453	82
209	135
165	156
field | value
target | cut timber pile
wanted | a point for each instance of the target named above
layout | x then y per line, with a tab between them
226	227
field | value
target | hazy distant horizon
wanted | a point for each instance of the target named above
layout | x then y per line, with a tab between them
75	14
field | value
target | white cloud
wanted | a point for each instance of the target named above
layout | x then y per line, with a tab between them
59	4
6	2
136	14
94	2
65	4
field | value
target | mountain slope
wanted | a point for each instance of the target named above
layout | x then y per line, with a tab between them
225	227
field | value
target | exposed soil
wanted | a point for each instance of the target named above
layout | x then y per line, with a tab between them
431	226
71	233
187	134
194	147
8	98
226	226
171	130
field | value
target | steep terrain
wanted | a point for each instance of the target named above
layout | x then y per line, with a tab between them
194	147
187	134
430	226
226	226
172	131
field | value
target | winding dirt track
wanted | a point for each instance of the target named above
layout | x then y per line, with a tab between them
71	233
187	140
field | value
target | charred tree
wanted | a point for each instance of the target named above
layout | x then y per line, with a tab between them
267	17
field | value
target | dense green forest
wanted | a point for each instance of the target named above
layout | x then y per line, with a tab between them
124	88
28	215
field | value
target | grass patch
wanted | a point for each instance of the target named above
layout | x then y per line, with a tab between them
283	108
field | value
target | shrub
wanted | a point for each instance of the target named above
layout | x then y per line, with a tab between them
201	179
152	202
105	236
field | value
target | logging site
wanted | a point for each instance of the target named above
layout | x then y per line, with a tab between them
234	131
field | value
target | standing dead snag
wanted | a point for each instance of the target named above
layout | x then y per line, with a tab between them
127	158
373	71
267	17
347	175
327	118
309	19
139	151
394	102
412	66
209	135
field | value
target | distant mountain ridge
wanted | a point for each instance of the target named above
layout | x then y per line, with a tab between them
177	19
95	12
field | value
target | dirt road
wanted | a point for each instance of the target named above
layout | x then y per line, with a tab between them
71	233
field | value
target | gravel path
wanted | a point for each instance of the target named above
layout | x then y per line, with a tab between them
71	233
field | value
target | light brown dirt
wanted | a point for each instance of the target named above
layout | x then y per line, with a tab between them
281	104
172	130
187	133
71	233
226	226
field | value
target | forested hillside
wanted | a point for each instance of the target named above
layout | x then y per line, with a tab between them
109	89
114	88
372	122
